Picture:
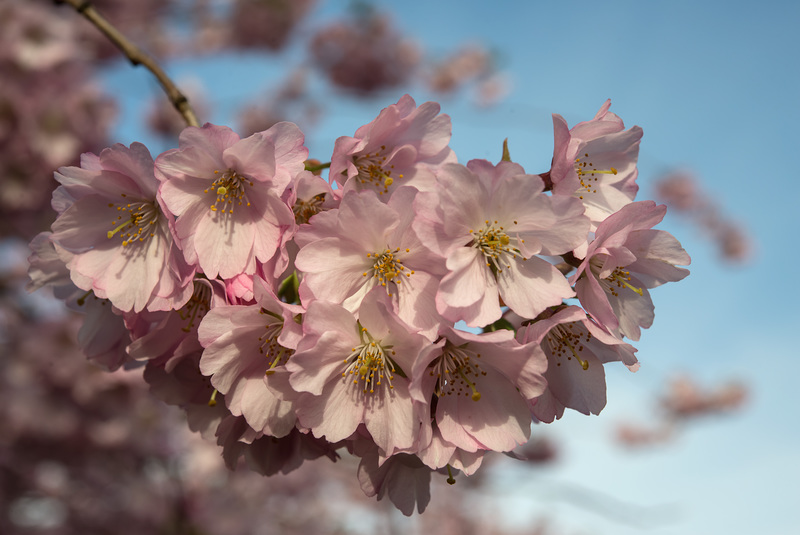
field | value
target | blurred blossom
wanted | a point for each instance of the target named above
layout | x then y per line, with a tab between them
365	53
466	64
265	23
681	191
492	90
539	450
684	400
34	37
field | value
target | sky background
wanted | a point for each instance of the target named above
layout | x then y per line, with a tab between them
715	87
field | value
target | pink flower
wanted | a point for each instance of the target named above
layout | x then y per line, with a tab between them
371	244
226	193
596	162
481	384
243	343
353	372
576	350
401	146
489	222
626	258
116	232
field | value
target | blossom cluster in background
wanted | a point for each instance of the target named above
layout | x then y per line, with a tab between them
293	317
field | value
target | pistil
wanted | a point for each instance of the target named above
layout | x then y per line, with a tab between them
588	174
140	226
275	353
370	362
372	170
229	188
388	268
564	341
455	370
497	246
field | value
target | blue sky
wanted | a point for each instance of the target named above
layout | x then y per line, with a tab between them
715	87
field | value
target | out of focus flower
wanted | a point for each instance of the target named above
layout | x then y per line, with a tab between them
265	23
364	54
681	191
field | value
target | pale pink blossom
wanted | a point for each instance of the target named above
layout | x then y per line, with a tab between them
595	161
352	372
576	350
103	336
226	193
626	257
490	222
116	233
481	384
402	146
242	344
371	244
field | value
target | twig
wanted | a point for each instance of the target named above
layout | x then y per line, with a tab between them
136	57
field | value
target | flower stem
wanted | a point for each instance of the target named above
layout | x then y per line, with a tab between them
136	57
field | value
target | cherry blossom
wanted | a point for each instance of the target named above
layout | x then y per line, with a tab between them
576	350
372	244
242	344
353	372
625	259
226	193
481	384
490	222
402	146
117	234
595	161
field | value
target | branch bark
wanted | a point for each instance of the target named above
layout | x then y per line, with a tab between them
136	57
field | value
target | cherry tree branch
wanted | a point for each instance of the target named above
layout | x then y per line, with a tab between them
136	57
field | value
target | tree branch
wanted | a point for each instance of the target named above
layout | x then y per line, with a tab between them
136	57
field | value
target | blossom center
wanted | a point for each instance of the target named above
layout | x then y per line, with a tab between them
372	170
387	268
274	352
370	362
197	306
304	210
620	278
456	372
564	341
497	246
140	225
588	174
229	188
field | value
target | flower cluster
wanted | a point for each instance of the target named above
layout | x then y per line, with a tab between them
292	316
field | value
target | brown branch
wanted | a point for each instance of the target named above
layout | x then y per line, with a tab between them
136	57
